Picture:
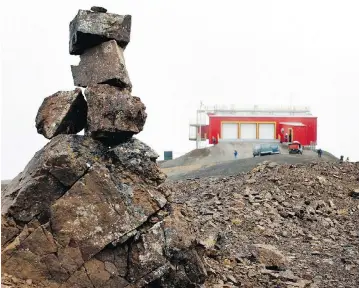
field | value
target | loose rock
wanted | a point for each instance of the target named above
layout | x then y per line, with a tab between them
113	115
89	29
355	193
313	246
102	64
98	9
270	256
64	112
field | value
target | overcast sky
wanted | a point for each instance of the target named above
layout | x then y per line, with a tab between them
182	52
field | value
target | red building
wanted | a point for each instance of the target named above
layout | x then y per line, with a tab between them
259	124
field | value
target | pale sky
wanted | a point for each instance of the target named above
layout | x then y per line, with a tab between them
182	52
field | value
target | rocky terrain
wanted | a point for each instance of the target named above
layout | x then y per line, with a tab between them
277	226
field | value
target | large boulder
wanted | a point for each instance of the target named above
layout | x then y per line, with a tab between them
135	160
49	174
113	114
82	213
91	28
161	255
104	63
97	211
64	112
147	254
166	255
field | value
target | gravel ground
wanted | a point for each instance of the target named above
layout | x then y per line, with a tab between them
233	167
218	160
277	225
213	154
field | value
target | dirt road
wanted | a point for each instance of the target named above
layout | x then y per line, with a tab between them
214	154
218	160
236	166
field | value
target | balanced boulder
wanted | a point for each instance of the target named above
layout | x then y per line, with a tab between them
91	28
102	64
113	114
64	112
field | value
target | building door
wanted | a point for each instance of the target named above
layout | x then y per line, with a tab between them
266	131
248	131
290	135
229	131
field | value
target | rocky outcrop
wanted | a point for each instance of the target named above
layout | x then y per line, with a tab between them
49	174
116	210
91	28
91	211
113	115
106	212
104	63
64	112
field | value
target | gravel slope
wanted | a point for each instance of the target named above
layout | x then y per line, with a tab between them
277	226
237	166
217	153
219	160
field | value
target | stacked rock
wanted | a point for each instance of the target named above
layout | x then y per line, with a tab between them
113	115
83	214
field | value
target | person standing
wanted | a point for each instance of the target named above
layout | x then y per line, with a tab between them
320	153
235	154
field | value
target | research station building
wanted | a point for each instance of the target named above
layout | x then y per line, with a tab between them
255	124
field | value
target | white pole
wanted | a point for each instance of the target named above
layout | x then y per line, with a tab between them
200	125
197	130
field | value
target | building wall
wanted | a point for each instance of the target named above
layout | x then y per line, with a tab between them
306	134
299	133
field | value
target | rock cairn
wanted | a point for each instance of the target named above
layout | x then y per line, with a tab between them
90	211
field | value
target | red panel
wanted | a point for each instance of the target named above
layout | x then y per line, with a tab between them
300	133
204	131
303	134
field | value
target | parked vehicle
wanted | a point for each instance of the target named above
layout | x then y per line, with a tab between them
265	149
295	148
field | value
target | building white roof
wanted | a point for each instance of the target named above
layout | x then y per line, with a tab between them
286	115
242	110
292	123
